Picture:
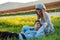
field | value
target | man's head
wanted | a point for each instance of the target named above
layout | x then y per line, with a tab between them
37	24
40	8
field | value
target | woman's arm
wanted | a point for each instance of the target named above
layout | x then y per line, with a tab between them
49	22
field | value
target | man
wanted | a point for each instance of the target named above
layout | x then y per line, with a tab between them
27	32
33	32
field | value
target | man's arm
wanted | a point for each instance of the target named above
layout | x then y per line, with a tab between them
25	28
41	30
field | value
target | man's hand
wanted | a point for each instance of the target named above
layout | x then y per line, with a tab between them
22	33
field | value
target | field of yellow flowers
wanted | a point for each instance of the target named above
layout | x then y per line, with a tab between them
20	20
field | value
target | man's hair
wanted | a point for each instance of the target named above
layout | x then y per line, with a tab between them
38	21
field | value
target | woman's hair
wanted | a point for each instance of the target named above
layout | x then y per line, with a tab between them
43	16
40	6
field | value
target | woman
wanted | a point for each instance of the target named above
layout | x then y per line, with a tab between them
44	17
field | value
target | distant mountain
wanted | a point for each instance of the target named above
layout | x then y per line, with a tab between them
12	5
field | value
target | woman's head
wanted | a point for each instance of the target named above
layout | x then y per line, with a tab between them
40	8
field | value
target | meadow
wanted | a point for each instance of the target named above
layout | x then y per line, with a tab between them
14	24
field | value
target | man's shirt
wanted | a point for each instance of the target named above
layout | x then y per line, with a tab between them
30	32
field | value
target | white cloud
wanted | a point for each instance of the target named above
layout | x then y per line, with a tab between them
22	1
25	1
2	1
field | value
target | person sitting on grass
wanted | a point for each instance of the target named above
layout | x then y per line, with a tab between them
43	17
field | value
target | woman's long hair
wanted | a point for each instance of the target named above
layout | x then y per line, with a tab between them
43	16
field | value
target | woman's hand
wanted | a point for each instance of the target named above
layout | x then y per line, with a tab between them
46	23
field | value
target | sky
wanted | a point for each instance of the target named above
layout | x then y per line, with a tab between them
21	1
24	1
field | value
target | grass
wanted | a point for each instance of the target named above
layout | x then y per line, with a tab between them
8	24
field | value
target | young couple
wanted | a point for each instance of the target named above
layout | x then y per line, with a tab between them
41	27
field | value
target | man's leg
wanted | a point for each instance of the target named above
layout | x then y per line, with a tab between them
5	35
14	35
24	38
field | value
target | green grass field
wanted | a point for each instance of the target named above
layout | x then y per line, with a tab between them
7	24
